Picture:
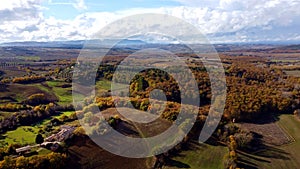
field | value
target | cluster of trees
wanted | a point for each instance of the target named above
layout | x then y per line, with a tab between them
6	151
99	126
27	117
254	92
12	107
147	80
37	99
48	161
170	109
230	159
249	102
28	79
5	81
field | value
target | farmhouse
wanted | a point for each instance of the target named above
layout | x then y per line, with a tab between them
23	150
65	133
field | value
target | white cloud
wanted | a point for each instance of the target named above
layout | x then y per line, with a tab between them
80	5
77	4
221	21
199	3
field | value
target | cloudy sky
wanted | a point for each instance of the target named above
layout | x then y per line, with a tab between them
220	20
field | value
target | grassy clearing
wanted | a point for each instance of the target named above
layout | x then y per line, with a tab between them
272	157
63	94
106	85
200	156
43	88
29	58
26	134
285	60
292	126
43	151
22	135
20	92
44	122
53	83
277	157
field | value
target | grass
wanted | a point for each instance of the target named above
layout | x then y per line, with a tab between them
44	122
284	60
277	157
22	135
106	85
292	126
26	134
200	156
29	58
43	88
272	157
64	94
20	92
43	151
53	83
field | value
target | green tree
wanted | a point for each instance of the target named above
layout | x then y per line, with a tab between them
39	139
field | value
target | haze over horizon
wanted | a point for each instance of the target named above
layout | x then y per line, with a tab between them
222	21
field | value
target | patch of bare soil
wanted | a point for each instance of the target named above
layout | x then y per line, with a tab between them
144	129
85	154
271	132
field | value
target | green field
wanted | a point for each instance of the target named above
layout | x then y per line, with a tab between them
106	85
63	94
22	135
272	157
292	126
26	134
66	113
277	157
29	58
200	156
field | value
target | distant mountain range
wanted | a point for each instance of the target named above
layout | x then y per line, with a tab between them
147	42
77	44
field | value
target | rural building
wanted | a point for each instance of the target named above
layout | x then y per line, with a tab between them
65	133
23	150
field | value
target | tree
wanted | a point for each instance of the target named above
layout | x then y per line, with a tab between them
39	139
11	149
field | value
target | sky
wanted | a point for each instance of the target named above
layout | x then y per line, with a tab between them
221	21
